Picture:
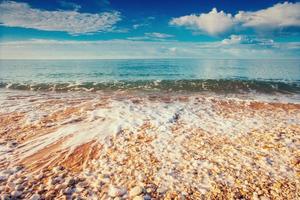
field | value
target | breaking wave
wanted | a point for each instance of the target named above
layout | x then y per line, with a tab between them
222	85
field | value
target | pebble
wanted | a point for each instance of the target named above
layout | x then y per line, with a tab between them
137	190
35	197
115	191
5	197
17	168
3	178
16	194
68	191
264	198
138	198
162	190
19	181
19	188
70	181
255	196
57	169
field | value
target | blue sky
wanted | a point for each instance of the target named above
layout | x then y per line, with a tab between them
60	29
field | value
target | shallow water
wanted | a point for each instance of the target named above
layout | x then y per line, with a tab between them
156	74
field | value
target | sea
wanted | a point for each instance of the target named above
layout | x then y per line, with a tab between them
280	76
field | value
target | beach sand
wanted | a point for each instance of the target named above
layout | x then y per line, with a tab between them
130	145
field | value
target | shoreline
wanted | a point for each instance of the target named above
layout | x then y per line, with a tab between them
149	146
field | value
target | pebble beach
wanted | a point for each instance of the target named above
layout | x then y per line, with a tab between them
130	145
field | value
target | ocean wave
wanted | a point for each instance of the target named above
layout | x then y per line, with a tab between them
222	85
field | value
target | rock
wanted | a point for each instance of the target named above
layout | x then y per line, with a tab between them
17	168
50	195
39	176
137	190
16	194
58	169
7	172
79	189
162	190
255	196
264	198
105	180
138	198
19	188
19	181
5	197
11	144
83	184
11	185
70	181
114	191
57	180
35	197
68	191
41	188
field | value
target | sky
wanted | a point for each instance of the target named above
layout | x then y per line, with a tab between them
122	29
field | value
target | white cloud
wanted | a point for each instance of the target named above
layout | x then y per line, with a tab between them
279	16
246	39
15	14
113	49
152	36
213	23
158	35
234	39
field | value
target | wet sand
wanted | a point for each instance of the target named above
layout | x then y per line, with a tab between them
124	145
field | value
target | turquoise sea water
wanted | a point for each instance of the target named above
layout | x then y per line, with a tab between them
153	74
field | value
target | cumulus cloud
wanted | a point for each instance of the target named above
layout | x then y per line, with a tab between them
213	23
279	16
15	14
